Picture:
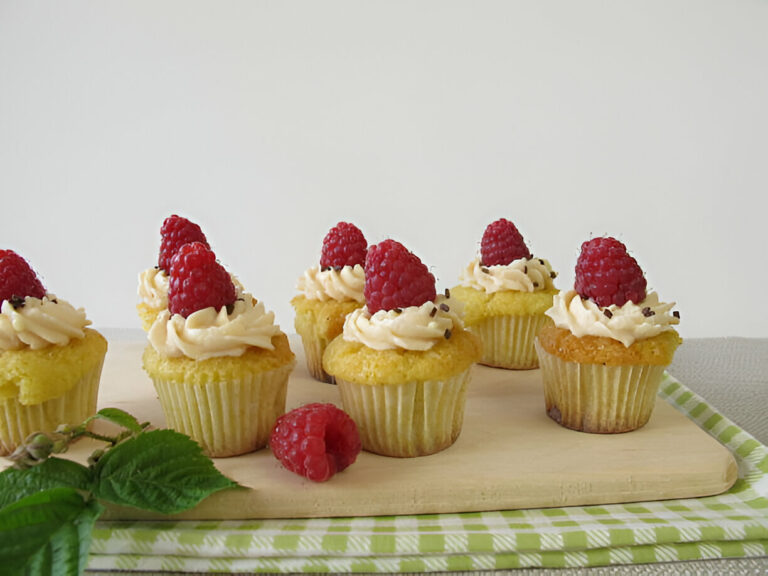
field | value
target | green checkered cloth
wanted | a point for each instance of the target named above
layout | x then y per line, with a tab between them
734	524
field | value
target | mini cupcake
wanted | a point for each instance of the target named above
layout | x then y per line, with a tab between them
50	362
219	363
403	361
604	357
329	292
505	292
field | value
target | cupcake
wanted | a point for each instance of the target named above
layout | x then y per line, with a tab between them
219	363
505	292
328	292
153	282
402	362
50	362
603	358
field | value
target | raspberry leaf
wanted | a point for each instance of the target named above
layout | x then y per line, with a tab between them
47	533
52	473
121	418
160	471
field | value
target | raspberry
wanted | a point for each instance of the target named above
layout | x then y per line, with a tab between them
17	279
344	245
175	232
198	281
502	243
395	278
607	274
315	441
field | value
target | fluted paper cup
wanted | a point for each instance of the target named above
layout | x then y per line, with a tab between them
508	341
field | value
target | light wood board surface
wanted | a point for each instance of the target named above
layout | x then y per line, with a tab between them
510	455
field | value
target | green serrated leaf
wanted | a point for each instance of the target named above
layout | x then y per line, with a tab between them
51	473
47	533
119	417
160	471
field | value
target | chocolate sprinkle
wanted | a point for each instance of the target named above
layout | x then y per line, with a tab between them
447	293
525	269
432	314
676	314
608	313
553	275
447	334
16	301
541	261
484	269
444	307
398	310
230	308
647	312
535	284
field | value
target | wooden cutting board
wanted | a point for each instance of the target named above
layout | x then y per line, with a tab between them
510	455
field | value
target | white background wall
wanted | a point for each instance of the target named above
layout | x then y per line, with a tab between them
268	122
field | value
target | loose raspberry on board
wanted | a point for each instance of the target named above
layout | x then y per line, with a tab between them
198	281
502	243
396	278
607	274
344	245
17	279
315	441
175	232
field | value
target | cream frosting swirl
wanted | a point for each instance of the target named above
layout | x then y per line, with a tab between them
154	283
342	285
626	323
522	275
207	333
39	323
412	328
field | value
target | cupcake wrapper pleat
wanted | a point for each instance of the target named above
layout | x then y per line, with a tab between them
597	398
508	340
313	352
226	418
17	421
407	420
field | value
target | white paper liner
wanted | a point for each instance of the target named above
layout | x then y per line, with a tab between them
597	398
407	420
313	352
508	340
226	418
17	421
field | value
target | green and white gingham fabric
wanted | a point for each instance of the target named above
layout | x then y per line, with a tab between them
734	524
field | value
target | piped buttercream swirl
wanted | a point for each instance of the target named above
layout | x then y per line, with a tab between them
208	333
626	323
523	275
38	323
411	328
343	284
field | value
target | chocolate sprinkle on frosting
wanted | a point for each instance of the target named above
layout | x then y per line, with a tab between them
432	314
535	284
444	307
553	275
608	313
676	314
525	269
541	261
447	293
447	333
647	312
398	310
16	301
484	269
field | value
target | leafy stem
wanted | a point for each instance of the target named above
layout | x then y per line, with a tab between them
48	505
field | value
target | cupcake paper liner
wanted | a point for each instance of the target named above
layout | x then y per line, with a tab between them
508	341
226	418
17	421
597	398
407	420
313	352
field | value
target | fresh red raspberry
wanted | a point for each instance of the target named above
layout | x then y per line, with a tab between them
344	245
17	279
607	274
395	278
175	232
198	281
315	441
502	244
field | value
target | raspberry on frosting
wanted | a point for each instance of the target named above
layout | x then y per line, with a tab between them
502	243
175	232
198	281
17	279
344	245
315	441
607	274
396	278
